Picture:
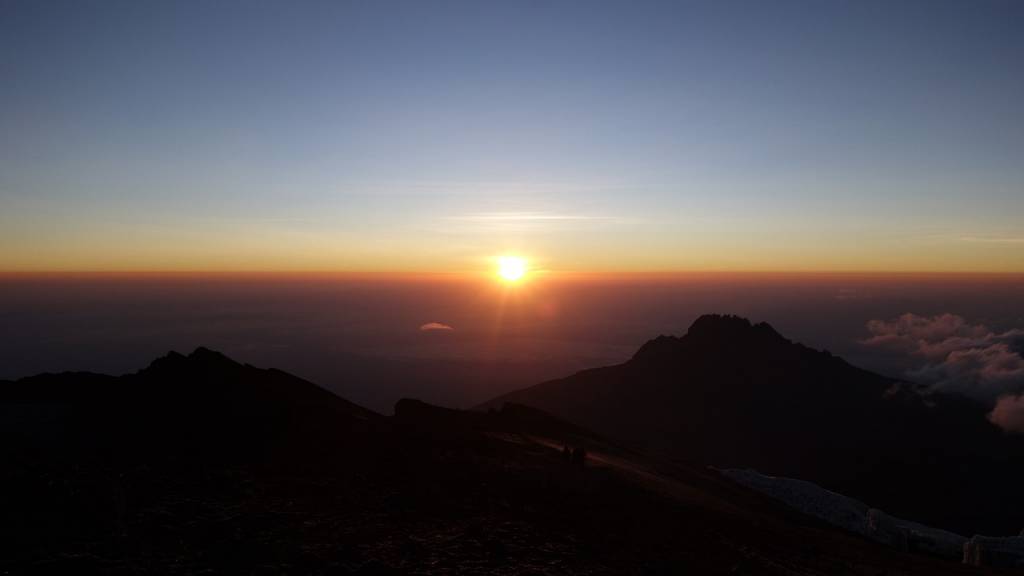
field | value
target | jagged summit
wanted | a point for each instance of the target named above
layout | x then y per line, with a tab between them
717	322
204	353
722	331
716	326
201	357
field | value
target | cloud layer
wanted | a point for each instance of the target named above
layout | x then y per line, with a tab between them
961	358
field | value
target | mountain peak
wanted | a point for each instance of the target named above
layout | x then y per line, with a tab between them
718	321
716	327
721	331
204	354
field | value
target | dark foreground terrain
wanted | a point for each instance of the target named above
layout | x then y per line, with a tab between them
198	464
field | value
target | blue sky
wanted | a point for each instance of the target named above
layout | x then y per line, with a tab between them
586	135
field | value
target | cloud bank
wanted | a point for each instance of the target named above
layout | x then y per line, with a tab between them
429	326
961	358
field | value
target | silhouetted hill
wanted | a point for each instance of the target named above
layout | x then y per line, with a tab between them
734	394
196	408
198	464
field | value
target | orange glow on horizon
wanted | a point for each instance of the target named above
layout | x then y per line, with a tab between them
558	276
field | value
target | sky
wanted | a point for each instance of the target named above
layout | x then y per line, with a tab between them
586	136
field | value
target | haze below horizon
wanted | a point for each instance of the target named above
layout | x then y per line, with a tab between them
457	342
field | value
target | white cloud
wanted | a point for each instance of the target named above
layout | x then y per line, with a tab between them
958	357
983	373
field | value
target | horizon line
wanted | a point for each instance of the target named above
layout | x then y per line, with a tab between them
469	274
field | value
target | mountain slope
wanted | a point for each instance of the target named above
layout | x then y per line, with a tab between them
734	394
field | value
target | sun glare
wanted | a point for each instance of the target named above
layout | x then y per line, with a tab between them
511	268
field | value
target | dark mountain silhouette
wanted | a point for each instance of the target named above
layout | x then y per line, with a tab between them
200	464
734	394
203	407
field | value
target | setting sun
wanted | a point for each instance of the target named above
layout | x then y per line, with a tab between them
511	268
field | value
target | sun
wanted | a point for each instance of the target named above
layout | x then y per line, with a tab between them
511	268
